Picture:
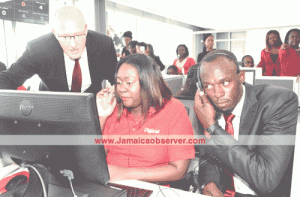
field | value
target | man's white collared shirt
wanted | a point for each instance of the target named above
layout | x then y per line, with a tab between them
85	71
240	185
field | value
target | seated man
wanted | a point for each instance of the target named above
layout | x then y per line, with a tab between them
247	61
241	165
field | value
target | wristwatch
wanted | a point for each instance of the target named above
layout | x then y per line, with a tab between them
212	128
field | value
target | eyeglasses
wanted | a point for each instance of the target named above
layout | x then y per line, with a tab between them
77	37
249	62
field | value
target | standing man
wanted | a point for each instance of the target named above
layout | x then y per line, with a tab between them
72	58
239	160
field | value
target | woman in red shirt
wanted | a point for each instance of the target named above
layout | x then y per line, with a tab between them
269	61
289	54
183	62
143	109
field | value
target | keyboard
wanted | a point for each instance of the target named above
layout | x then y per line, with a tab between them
132	191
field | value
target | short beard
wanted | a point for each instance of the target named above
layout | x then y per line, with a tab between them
219	111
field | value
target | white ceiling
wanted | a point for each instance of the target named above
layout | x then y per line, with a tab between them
224	14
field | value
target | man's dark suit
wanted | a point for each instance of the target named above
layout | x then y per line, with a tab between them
45	57
267	169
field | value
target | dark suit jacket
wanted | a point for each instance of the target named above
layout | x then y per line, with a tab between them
44	56
2	67
269	111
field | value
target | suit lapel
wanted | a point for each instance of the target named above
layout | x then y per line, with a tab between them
91	50
59	69
249	110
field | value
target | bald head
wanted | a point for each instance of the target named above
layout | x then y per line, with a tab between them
68	19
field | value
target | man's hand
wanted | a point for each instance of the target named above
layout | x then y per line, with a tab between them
211	189
204	110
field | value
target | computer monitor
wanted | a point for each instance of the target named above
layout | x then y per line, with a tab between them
287	82
174	82
257	70
251	73
36	115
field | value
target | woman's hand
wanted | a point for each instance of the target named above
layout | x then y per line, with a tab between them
285	46
106	102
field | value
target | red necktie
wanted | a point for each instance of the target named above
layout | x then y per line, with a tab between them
76	78
230	191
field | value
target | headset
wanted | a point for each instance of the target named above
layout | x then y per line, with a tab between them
199	83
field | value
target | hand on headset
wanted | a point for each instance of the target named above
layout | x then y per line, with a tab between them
204	110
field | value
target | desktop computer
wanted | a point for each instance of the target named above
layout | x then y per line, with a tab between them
174	82
34	115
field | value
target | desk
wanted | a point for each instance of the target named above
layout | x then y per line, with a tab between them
95	190
168	192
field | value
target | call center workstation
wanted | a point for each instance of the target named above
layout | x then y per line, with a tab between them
58	105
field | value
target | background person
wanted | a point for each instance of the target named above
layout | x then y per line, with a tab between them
172	70
150	52
190	87
132	47
141	47
289	54
183	62
145	104
127	38
247	61
54	56
208	44
269	61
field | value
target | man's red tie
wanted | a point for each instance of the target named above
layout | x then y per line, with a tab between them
230	191
76	78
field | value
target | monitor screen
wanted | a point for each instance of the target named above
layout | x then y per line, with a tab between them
37	126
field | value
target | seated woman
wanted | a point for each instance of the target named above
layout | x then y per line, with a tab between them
172	70
143	107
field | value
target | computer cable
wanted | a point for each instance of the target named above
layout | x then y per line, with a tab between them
160	191
39	175
70	176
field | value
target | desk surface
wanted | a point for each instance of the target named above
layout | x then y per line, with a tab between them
156	191
168	192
